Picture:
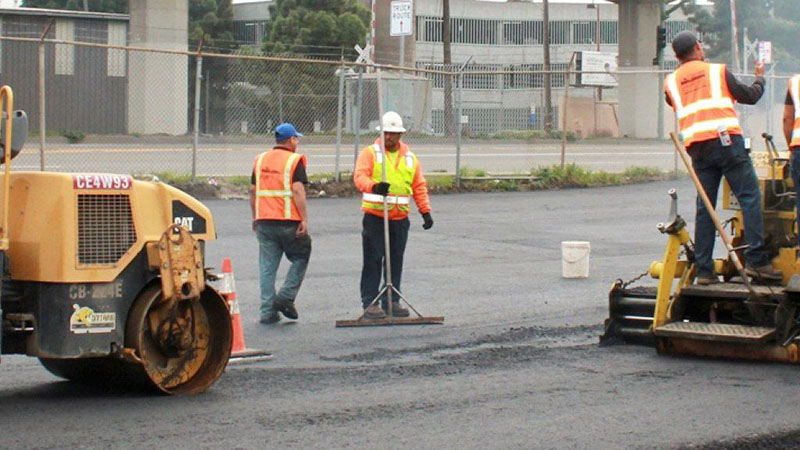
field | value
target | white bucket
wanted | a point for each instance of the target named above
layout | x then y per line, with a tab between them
575	259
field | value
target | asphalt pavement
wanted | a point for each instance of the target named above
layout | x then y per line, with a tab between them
515	365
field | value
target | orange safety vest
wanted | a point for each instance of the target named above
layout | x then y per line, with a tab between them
794	92
273	170
702	101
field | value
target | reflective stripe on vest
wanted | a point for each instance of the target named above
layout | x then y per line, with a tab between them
399	179
285	193
701	118
379	156
794	91
390	199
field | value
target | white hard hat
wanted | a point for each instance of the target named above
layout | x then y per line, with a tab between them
392	123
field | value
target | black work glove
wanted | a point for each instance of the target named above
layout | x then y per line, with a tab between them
428	221
381	188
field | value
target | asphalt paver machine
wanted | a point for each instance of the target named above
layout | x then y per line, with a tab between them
103	277
738	318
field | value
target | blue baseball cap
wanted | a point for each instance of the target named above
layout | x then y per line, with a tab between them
284	131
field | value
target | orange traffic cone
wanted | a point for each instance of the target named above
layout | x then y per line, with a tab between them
228	290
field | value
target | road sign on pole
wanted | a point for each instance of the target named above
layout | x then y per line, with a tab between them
765	52
402	20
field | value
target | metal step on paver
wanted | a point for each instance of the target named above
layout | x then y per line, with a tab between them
732	291
715	332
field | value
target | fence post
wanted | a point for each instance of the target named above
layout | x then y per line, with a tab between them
564	113
339	123
197	81
42	95
459	113
357	114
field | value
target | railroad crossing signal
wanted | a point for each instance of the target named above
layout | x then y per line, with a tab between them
363	54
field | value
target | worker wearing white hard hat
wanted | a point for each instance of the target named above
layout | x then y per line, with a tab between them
404	181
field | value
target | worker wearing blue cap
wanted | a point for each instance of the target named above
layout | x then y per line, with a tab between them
280	221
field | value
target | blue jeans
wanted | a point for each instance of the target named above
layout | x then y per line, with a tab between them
276	238
795	162
711	162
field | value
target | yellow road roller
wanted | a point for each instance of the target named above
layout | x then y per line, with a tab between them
103	277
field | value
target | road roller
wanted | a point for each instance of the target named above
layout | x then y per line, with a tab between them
103	277
737	318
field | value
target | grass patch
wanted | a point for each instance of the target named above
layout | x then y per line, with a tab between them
470	172
325	185
438	183
572	175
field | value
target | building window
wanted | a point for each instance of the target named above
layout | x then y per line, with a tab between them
609	32
117	35
249	32
522	33
533	80
65	53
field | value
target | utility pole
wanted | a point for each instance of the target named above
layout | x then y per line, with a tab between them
85	5
447	59
548	101
661	33
734	36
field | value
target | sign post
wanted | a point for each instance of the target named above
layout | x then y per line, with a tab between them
402	22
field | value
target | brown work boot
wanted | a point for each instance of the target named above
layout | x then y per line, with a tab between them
374	312
765	273
398	310
705	280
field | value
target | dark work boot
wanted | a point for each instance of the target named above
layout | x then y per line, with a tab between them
705	280
285	307
765	273
273	317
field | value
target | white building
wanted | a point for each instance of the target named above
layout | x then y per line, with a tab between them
250	20
508	37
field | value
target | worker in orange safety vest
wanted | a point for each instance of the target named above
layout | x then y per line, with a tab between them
280	221
703	97
791	131
404	181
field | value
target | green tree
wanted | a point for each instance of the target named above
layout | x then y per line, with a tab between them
766	20
317	26
265	93
213	21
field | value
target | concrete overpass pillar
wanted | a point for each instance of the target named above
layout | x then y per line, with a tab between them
158	83
638	93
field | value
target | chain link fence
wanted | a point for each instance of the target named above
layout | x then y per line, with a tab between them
129	110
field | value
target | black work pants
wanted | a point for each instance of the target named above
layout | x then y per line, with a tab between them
373	247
